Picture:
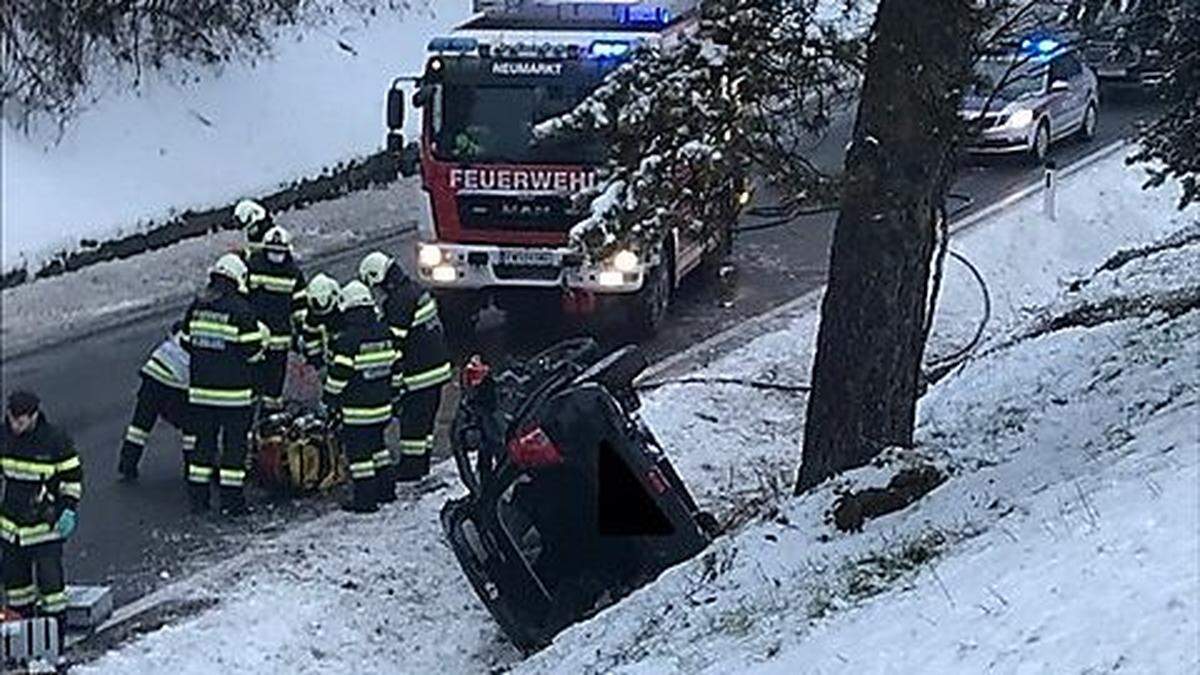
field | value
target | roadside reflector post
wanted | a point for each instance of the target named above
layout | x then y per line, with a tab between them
727	279
1049	190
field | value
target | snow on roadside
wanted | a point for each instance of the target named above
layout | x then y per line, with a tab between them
1073	465
243	130
71	302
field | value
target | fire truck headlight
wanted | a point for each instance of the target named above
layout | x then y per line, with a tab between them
429	255
444	273
611	278
625	261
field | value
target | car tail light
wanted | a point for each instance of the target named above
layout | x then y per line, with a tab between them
475	372
533	448
656	481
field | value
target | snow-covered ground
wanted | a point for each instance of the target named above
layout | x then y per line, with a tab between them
247	130
1066	539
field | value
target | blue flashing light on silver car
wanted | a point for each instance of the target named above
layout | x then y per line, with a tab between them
610	48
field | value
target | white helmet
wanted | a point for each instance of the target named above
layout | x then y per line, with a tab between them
322	292
374	268
355	294
231	267
248	212
277	239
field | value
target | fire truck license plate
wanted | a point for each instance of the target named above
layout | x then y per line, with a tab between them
536	258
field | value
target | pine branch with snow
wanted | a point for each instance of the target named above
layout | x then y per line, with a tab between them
1170	146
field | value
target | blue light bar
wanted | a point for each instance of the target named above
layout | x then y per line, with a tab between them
453	44
610	49
1040	45
649	15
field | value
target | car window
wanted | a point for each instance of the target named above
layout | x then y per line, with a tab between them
1064	67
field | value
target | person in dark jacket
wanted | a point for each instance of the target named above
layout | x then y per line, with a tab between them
320	320
43	483
276	286
358	392
163	393
225	341
410	311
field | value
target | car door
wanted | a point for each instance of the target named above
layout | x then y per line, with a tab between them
1063	109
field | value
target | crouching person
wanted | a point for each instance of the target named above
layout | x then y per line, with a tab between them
163	393
358	391
43	482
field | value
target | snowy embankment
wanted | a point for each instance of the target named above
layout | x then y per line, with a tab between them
1065	538
246	130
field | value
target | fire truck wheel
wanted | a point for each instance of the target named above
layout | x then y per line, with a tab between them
648	307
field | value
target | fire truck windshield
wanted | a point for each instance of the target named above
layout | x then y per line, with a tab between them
486	123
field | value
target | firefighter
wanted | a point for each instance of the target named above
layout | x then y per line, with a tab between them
358	392
163	393
255	220
276	287
225	341
43	482
410	311
319	322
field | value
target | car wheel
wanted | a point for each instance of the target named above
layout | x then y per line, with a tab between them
1087	130
1040	147
648	307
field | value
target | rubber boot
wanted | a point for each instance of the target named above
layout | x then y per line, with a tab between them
233	502
198	497
128	465
385	484
365	495
412	468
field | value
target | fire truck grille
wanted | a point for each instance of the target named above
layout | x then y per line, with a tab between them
529	272
531	214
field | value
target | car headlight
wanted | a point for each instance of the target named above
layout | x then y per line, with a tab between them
429	255
625	261
1021	118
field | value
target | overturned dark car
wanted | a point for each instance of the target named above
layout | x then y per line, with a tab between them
571	502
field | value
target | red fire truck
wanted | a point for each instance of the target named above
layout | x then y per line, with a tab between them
502	203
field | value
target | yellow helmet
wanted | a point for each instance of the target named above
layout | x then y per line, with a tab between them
322	292
231	267
277	239
248	212
355	294
374	268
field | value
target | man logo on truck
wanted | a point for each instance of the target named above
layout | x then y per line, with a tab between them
523	181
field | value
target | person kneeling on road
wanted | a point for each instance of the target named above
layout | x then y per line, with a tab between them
163	393
43	482
358	392
410	312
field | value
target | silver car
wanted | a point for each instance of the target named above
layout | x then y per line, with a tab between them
1033	98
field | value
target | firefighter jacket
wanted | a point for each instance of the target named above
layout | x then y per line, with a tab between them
42	478
362	365
276	291
318	331
224	338
411	314
169	364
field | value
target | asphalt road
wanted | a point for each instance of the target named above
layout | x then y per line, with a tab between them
135	537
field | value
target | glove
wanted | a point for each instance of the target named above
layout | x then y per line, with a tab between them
66	523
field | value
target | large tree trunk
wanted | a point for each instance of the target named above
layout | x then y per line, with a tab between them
898	170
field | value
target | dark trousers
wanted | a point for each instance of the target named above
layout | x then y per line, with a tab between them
22	565
362	444
221	434
155	400
270	376
418	413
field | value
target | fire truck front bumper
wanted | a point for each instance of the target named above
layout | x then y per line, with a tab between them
474	266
